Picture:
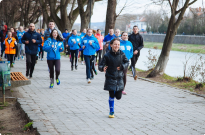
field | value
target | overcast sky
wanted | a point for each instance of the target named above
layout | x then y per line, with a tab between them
134	7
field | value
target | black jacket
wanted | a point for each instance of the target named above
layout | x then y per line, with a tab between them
31	48
114	77
137	41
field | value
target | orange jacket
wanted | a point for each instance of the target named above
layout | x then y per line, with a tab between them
42	40
10	48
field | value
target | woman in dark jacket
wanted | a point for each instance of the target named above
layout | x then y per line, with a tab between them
113	64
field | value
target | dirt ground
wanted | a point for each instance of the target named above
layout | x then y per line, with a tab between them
11	122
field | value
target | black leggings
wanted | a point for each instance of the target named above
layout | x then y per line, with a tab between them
117	94
81	55
72	57
30	64
10	57
51	64
99	53
41	53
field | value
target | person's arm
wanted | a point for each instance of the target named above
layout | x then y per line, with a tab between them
61	47
70	42
131	50
39	39
95	44
15	45
47	46
125	62
141	44
103	63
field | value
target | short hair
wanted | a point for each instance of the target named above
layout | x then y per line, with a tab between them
111	29
66	29
123	33
115	39
9	32
135	26
51	21
117	29
73	30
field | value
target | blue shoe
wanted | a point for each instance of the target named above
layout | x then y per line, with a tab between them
58	81
22	57
51	85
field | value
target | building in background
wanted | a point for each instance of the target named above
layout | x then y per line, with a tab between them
141	22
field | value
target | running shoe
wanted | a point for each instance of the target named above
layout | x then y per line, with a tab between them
58	81
76	67
18	59
42	59
71	68
51	83
111	115
12	65
89	80
124	93
22	57
135	78
92	78
96	72
82	63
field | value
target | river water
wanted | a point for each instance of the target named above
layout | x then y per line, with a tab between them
175	66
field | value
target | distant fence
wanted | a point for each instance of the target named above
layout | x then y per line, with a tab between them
183	39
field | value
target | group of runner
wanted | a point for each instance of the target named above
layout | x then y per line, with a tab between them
118	49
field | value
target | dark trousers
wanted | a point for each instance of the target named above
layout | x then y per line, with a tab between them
93	67
10	57
51	64
81	55
2	49
74	52
41	53
99	53
125	77
117	94
89	60
30	64
133	63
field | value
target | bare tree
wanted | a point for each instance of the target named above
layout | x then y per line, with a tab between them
177	13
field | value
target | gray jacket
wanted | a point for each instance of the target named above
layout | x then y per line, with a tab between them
47	33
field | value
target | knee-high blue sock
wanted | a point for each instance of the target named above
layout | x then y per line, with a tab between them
111	104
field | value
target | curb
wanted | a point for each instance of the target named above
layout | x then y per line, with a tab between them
27	113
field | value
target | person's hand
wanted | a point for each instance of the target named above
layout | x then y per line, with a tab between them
61	48
33	40
27	42
135	52
118	68
83	47
90	43
66	45
11	47
52	45
74	42
78	43
105	68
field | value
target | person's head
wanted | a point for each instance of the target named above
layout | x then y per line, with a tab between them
74	32
124	36
84	30
54	34
39	31
115	44
89	32
117	32
9	34
111	31
135	29
42	31
66	30
51	25
98	31
94	32
32	27
12	29
21	28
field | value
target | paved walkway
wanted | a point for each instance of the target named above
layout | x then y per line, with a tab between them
76	108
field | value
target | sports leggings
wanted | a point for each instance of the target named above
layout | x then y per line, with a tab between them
51	64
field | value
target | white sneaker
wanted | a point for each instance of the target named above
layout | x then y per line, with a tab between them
89	80
82	63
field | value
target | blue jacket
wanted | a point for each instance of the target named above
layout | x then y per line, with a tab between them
90	49
127	48
71	40
19	35
108	38
53	53
82	35
31	48
112	39
65	35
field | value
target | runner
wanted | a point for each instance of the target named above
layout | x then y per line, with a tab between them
31	39
89	44
100	40
107	40
113	64
137	41
117	35
10	48
74	43
65	35
41	53
21	46
53	46
127	48
51	26
81	50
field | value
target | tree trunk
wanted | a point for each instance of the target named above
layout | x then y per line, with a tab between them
111	15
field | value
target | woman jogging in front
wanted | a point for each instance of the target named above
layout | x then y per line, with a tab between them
89	43
113	64
53	46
